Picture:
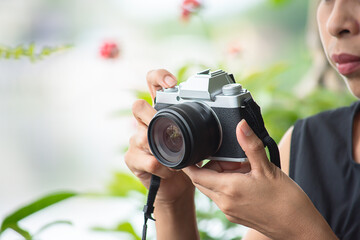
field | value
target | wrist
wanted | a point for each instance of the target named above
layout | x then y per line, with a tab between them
185	201
314	228
309	224
176	218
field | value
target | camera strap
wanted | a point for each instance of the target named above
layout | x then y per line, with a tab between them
149	207
252	114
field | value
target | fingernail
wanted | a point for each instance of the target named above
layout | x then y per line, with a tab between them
170	81
246	129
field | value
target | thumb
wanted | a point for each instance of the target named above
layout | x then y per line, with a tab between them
252	146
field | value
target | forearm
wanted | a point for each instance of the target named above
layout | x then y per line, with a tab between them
177	220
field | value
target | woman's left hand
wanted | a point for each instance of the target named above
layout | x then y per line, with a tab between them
257	194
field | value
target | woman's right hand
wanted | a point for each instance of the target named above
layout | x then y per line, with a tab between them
175	185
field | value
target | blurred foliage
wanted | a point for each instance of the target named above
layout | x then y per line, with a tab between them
281	101
29	52
209	214
279	2
122	184
12	220
289	15
124	227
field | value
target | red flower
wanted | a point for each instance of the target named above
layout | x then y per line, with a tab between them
235	49
109	50
188	7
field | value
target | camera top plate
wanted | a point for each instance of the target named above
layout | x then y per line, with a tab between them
207	87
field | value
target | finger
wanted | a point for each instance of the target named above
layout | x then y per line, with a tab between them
158	79
214	165
212	180
140	163
143	112
209	193
140	140
225	166
252	146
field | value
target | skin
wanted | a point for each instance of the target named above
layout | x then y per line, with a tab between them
256	194
175	198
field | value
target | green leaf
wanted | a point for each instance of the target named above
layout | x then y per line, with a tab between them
20	231
124	149
125	227
122	184
31	52
21	51
11	221
143	95
181	73
46	226
8	53
46	51
18	52
278	3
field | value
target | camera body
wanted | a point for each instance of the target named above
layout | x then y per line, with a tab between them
197	120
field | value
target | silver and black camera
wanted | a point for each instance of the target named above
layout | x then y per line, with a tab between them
197	120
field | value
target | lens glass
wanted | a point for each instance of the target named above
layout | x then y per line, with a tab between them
173	138
168	139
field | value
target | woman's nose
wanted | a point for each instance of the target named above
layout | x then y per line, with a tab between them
342	21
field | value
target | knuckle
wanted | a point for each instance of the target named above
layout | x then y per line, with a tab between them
154	76
195	180
127	159
152	166
132	141
143	141
230	190
138	174
226	206
139	140
138	106
150	75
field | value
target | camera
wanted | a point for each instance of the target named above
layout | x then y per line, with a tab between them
197	120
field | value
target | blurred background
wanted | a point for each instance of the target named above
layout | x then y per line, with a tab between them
70	70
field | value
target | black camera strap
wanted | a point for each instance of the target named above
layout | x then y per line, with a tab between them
252	114
149	207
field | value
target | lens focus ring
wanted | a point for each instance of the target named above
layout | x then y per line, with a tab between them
184	134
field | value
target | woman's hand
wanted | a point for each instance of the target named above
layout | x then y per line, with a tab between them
174	184
260	196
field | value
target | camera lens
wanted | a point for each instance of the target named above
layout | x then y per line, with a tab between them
184	134
168	138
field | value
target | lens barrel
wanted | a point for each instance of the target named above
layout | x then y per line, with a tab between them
184	134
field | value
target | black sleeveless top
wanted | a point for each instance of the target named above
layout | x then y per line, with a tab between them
322	163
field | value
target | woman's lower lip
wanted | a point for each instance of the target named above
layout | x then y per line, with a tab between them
348	68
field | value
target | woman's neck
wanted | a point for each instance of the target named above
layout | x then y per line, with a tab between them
356	138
